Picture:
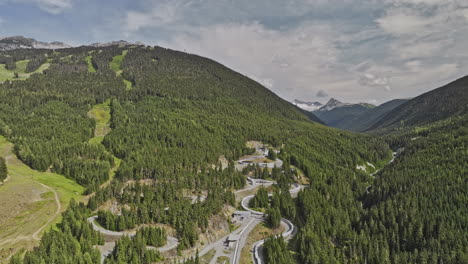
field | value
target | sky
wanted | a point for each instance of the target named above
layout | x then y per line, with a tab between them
353	50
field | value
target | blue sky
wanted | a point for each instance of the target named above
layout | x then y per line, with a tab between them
353	50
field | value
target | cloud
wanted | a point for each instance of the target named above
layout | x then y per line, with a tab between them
54	6
160	14
288	62
358	51
400	23
419	49
368	79
321	94
50	6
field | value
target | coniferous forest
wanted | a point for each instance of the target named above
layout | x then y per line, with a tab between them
3	169
173	115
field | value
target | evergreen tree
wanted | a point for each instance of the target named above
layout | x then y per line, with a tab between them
3	169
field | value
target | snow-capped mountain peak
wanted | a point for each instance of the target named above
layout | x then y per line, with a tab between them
308	106
332	103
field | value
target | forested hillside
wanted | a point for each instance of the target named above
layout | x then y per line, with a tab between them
172	116
438	104
365	120
414	212
342	116
3	170
175	116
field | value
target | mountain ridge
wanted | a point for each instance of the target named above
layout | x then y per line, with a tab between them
440	103
20	42
308	106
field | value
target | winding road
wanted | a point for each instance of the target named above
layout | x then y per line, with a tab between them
220	246
289	232
108	247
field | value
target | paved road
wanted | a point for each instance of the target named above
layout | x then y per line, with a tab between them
108	247
241	164
290	229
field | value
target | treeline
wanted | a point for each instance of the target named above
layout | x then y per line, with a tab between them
46	118
415	212
412	213
35	62
278	205
276	251
154	236
162	203
72	242
170	130
3	169
133	250
12	56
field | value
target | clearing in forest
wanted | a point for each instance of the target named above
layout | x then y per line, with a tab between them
29	203
116	65
88	60
6	74
101	113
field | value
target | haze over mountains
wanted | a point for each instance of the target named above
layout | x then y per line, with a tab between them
20	42
431	106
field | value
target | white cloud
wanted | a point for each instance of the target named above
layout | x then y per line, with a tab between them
369	79
366	52
399	23
161	14
49	6
288	62
54	6
415	49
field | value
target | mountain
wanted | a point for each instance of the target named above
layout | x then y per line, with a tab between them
120	43
165	119
447	101
308	106
19	42
370	116
331	104
337	114
141	128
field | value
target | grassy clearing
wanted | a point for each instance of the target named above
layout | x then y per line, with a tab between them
90	63
116	66
116	63
208	256
27	205
223	260
21	70
128	84
102	114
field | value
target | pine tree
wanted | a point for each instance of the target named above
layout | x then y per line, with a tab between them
3	169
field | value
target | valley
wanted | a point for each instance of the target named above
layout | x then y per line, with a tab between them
137	154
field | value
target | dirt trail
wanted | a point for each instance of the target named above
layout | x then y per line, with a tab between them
35	236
